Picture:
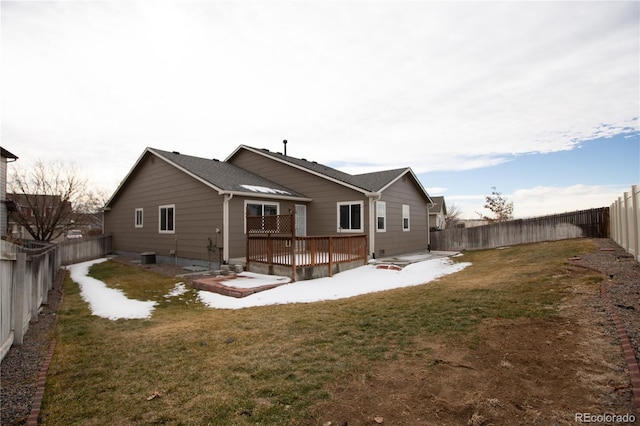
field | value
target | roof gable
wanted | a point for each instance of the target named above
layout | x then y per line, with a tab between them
224	176
439	205
6	154
374	182
221	176
227	178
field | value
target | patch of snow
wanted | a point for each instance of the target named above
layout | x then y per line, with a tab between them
251	280
113	304
178	290
264	189
107	302
362	280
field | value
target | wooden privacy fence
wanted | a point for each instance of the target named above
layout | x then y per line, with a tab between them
593	223
272	240
28	272
81	250
625	221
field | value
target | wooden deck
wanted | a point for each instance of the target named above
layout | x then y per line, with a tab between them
271	240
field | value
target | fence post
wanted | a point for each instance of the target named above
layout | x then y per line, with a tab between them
635	232
19	276
624	222
46	278
36	286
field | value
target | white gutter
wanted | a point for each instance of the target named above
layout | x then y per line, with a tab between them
225	226
373	197
429	205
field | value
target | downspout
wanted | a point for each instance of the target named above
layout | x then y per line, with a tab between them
429	205
225	227
373	197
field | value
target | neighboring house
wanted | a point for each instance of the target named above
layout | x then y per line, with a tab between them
5	157
188	207
88	223
40	213
437	214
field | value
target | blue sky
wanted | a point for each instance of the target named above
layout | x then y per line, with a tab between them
537	99
555	182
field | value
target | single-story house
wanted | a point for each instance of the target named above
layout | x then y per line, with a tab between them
192	208
437	214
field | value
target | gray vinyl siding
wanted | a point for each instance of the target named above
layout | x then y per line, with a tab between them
395	240
237	236
199	209
198	212
322	210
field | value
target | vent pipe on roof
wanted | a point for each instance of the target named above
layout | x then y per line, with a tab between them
285	147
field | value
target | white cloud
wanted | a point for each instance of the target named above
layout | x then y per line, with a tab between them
468	205
544	200
435	190
431	85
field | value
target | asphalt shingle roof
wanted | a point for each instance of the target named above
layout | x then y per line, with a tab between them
371	182
227	176
438	203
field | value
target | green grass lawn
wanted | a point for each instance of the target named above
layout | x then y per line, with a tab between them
193	365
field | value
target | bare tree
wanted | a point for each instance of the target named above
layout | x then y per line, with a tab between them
88	208
501	208
44	197
453	215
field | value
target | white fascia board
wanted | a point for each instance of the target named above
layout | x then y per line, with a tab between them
126	178
304	169
182	169
158	155
265	195
415	178
384	188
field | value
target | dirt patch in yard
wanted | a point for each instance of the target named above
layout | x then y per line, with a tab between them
527	371
540	370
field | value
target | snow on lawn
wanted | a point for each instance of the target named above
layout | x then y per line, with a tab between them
107	302
114	304
365	279
178	290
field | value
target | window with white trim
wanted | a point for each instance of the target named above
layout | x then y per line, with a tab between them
139	218
167	222
350	216
381	216
258	208
405	217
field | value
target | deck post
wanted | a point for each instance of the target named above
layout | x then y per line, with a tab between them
292	224
248	231
330	256
246	254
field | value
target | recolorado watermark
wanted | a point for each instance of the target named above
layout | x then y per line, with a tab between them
604	418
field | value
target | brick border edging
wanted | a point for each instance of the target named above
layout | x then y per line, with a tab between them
32	420
36	404
627	349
